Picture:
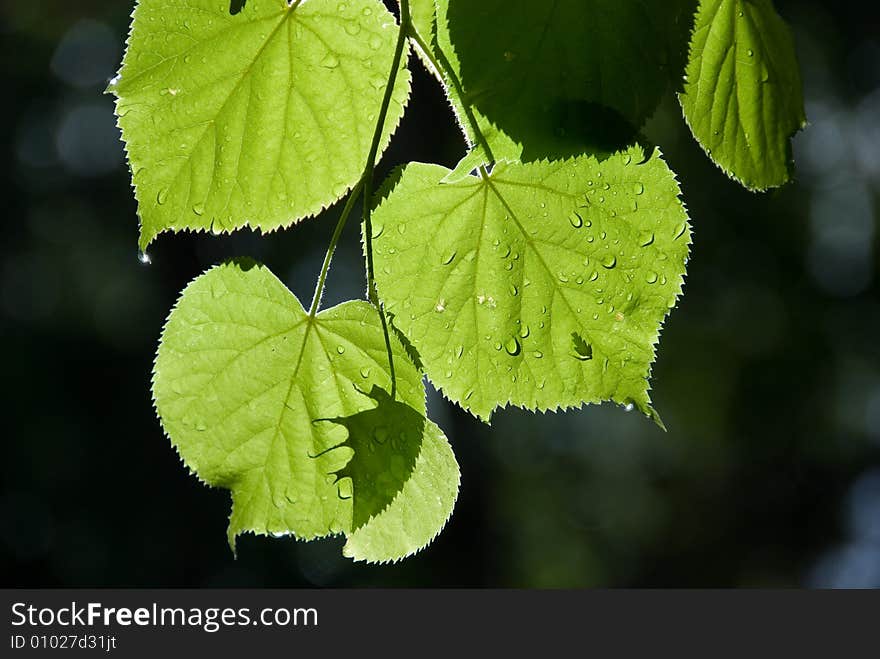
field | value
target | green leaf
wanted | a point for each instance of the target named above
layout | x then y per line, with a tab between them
742	96
543	286
255	119
561	78
285	411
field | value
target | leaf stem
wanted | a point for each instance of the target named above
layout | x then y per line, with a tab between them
365	186
441	64
367	181
334	240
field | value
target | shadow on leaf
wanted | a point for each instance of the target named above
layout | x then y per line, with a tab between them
386	441
569	77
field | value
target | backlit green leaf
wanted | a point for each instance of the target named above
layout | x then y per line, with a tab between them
293	416
543	286
742	97
258	118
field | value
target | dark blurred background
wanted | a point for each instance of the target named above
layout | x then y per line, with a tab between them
768	374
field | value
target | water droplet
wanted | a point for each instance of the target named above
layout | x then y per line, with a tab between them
651	277
365	372
513	346
449	258
514	291
563	278
679	230
524	332
380	435
375	42
199	209
440	306
646	238
638	188
498	345
609	261
458	352
750	52
144	258
330	61
340	349
352	28
576	220
162	196
582	350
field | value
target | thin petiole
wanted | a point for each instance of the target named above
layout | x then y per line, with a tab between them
365	186
337	232
367	180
